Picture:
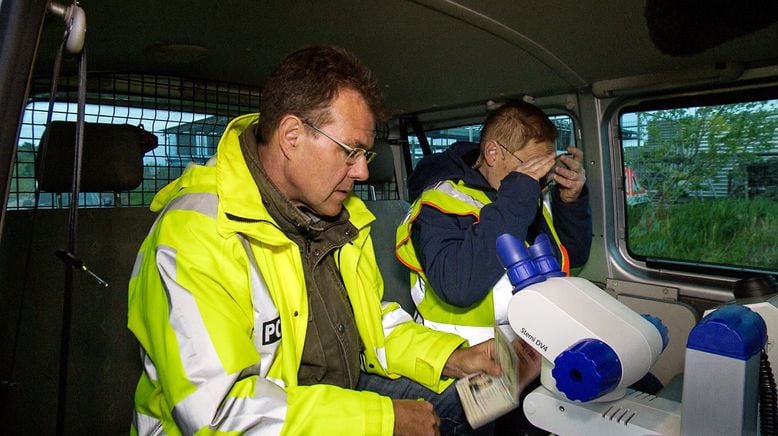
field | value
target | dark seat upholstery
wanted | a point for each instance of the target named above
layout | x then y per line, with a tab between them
396	276
389	214
103	359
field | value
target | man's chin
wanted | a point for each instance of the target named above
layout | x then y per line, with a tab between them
332	206
330	209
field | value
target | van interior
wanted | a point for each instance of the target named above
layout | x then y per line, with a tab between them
674	105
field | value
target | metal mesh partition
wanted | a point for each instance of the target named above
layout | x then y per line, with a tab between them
187	116
380	191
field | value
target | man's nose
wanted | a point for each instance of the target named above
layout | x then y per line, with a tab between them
359	171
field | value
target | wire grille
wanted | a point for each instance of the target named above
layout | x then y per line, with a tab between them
378	191
187	116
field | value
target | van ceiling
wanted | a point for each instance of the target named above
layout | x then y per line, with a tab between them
428	53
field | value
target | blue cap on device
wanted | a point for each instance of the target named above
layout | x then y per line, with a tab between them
544	258
517	261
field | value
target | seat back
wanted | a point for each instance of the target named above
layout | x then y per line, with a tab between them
103	356
389	212
103	361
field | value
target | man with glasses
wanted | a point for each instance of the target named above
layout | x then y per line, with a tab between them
466	197
256	297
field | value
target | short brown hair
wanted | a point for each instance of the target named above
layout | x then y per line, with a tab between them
514	124
307	81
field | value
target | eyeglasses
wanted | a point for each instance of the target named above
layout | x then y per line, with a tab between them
352	154
506	149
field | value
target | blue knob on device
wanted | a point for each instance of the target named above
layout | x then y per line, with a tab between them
588	369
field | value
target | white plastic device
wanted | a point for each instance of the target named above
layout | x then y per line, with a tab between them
559	314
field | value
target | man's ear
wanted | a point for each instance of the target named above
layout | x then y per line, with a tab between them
491	152
289	131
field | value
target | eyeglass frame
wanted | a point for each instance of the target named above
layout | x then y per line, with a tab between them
509	151
352	153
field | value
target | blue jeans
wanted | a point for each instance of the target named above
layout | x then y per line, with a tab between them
446	404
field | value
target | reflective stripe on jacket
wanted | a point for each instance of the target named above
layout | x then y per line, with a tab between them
455	198
218	303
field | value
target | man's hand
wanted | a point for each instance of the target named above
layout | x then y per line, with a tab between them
570	175
465	361
537	166
529	362
413	417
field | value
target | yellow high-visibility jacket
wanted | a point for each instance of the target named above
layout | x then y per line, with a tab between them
477	320
217	300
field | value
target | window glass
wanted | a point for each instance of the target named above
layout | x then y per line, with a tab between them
441	139
701	184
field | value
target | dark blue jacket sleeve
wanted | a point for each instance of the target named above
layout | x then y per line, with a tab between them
459	255
573	224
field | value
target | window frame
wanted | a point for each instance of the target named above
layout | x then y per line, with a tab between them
667	268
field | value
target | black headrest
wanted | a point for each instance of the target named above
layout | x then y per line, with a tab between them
382	167
112	157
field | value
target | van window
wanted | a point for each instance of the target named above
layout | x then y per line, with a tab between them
187	117
700	183
441	139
